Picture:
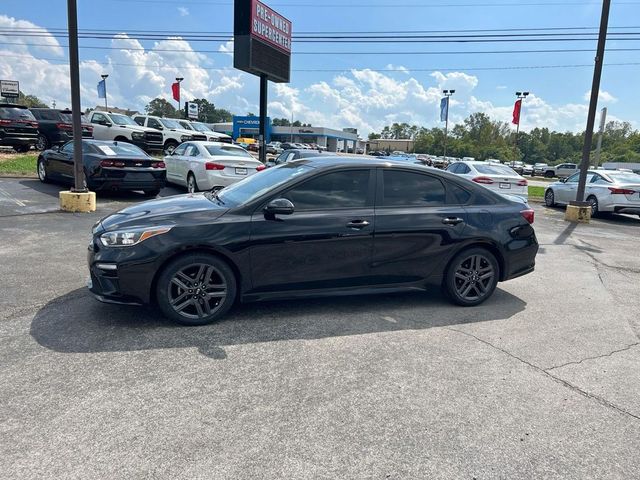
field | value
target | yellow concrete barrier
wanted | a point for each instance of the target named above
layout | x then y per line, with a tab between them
78	202
577	214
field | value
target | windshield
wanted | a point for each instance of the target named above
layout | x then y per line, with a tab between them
495	170
200	127
186	125
228	151
624	177
122	120
16	114
170	123
257	185
120	148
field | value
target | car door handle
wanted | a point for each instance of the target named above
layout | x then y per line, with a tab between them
452	220
357	224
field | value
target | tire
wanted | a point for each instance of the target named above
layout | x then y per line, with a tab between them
22	148
42	171
471	277
170	146
192	184
549	198
180	295
548	174
43	143
122	139
152	193
593	201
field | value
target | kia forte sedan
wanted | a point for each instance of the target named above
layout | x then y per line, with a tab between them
316	226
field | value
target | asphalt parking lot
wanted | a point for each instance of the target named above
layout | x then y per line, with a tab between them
542	381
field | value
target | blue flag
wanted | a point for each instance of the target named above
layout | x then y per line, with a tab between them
102	89
444	109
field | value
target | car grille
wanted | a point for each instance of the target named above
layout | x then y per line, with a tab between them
199	138
154	137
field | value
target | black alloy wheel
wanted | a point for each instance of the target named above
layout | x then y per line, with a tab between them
196	289
549	198
593	203
472	277
43	143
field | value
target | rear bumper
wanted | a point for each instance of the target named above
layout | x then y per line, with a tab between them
521	258
18	141
119	179
629	209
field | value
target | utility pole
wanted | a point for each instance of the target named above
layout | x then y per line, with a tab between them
106	105
603	121
447	94
520	96
262	135
74	71
593	103
179	80
291	126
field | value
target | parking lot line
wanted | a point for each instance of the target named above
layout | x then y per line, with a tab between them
7	195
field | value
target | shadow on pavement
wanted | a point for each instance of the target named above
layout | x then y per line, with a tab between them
77	323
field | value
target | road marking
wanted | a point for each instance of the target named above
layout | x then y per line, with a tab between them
10	197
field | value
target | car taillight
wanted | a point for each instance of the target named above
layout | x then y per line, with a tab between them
64	126
483	180
213	166
106	163
158	165
523	183
529	215
259	168
621	191
5	122
118	164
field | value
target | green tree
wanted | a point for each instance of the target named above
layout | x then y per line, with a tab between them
31	101
160	107
208	113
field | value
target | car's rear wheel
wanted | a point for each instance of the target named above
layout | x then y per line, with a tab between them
192	185
42	171
22	148
549	198
593	203
43	143
170	146
471	277
196	289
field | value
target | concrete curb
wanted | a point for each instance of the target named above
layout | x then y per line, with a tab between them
17	176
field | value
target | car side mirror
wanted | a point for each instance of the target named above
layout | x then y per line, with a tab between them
564	180
279	206
56	148
107	124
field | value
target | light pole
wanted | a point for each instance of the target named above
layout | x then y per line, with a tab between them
520	96
104	79
447	94
291	127
179	79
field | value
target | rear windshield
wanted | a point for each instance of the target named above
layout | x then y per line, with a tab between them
46	114
16	113
495	170
119	148
227	151
624	177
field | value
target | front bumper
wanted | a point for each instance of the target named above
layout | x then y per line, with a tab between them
148	146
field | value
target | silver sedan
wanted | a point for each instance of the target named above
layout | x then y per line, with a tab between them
606	191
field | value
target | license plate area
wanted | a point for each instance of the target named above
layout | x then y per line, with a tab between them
241	171
504	185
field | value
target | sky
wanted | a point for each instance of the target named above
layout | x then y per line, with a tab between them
363	86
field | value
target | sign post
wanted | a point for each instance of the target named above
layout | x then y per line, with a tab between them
262	47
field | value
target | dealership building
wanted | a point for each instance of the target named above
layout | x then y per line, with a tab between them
333	140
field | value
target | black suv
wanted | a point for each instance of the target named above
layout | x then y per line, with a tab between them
18	127
56	127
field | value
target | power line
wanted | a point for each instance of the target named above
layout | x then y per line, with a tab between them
388	5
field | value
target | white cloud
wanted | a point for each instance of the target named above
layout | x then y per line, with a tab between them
183	11
603	96
398	68
227	47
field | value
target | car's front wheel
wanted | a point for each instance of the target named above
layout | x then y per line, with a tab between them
42	171
471	277
192	185
549	198
196	289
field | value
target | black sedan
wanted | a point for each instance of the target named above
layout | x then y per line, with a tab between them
107	166
319	226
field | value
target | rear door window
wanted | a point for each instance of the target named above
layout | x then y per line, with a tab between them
337	190
409	189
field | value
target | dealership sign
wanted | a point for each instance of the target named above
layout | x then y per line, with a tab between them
9	89
262	41
192	110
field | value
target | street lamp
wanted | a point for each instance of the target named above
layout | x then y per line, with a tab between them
179	79
104	79
447	94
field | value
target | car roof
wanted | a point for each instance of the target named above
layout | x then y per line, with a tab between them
324	160
204	143
13	105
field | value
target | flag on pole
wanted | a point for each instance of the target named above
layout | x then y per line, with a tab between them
444	109
175	89
516	112
102	89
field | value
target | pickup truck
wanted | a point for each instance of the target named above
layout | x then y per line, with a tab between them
564	170
120	128
171	130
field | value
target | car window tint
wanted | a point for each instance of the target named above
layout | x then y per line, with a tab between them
98	118
153	123
463	169
228	151
180	149
139	121
404	189
195	151
494	169
334	190
457	195
453	168
46	114
188	151
68	147
573	178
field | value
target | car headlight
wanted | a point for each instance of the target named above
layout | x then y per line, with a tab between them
185	138
137	135
127	238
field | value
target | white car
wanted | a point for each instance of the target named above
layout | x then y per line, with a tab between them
606	191
120	128
209	165
499	178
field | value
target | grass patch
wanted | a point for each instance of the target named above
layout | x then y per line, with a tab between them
536	191
18	165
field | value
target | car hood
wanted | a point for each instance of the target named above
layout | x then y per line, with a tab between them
136	128
181	131
190	209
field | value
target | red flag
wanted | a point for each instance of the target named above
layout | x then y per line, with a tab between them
175	88
516	112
